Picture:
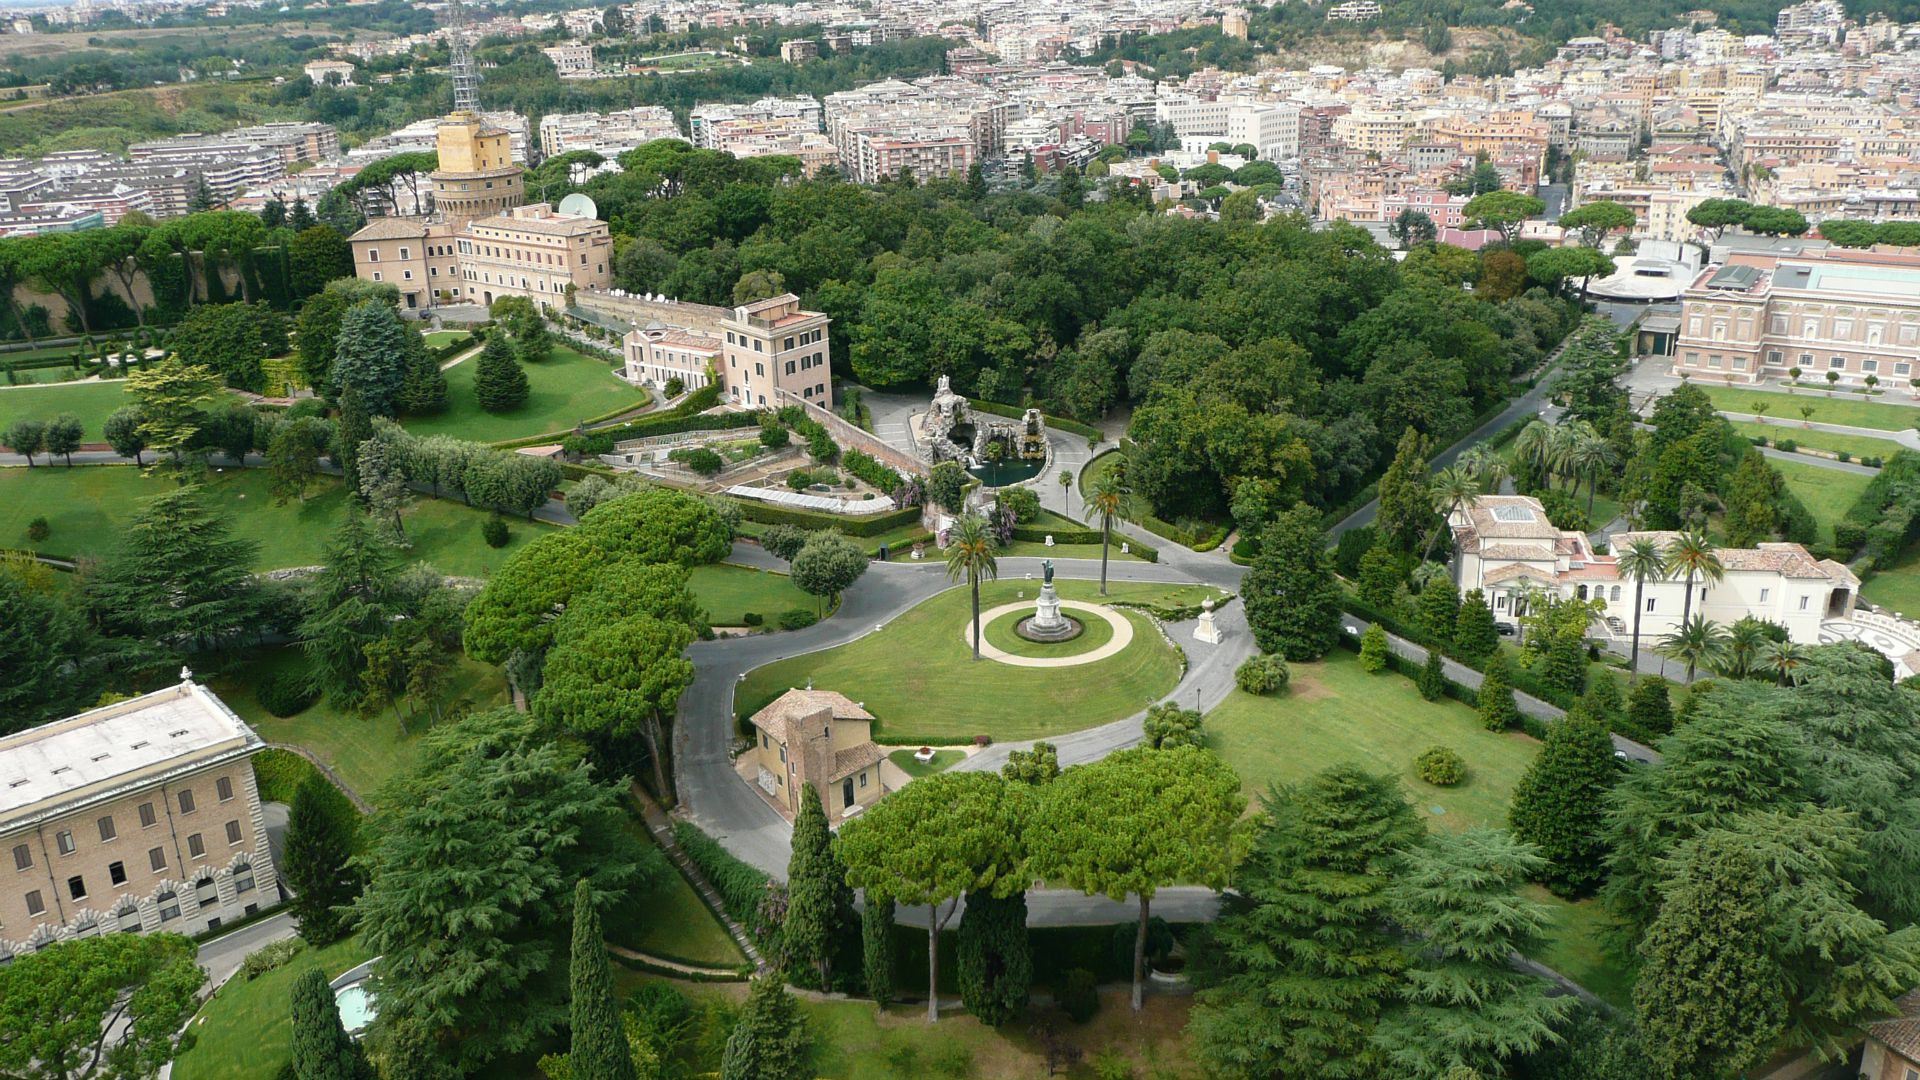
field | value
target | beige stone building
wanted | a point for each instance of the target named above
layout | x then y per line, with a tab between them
137	816
815	737
480	242
766	354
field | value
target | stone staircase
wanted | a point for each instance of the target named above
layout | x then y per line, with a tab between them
661	826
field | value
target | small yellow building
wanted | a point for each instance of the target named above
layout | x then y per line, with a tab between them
815	737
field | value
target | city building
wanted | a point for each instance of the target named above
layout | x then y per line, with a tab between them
799	50
607	134
1353	11
1757	316
137	816
1509	550
325	71
571	61
708	124
815	737
776	350
658	354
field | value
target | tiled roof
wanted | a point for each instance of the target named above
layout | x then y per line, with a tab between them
800	704
1901	1034
1512	571
549	226
853	759
389	228
1516	551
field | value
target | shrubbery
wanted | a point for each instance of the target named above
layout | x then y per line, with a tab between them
870	471
1079	995
494	531
287	692
1263	674
268	957
797	619
700	460
1440	766
741	887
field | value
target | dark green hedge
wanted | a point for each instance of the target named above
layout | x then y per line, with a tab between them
1522	679
741	887
869	525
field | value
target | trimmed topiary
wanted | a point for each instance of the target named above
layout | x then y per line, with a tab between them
1440	766
1263	674
752	618
494	531
287	692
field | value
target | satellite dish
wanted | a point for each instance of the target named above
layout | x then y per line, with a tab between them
579	205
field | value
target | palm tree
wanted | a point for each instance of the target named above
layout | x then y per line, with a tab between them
1450	489
1590	453
1745	645
1533	447
1643	561
1699	641
1487	467
970	555
1560	443
1784	659
1692	553
1108	500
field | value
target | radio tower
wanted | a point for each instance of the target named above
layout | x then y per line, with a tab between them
466	82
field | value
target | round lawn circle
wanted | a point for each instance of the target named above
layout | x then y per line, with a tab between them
1094	633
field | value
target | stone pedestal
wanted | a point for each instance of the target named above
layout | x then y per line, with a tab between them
1046	612
1206	631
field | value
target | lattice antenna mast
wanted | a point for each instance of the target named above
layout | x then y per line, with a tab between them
466	79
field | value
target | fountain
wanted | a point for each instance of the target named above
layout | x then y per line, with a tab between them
1047	624
997	451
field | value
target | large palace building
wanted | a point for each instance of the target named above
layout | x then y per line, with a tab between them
482	241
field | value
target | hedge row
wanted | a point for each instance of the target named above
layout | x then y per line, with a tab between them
902	547
1016	413
1522	680
870	525
1886	517
1037	534
741	887
871	471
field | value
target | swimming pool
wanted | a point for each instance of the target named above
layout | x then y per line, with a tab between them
356	1007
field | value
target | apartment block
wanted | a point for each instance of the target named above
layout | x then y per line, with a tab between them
607	134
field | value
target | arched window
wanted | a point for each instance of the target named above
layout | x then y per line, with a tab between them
242	876
169	904
1615	594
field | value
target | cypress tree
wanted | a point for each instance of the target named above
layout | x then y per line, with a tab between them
876	947
1651	708
321	825
355	426
322	1049
1560	803
599	1043
1380	576
498	382
1433	676
996	964
1292	601
1440	610
769	1041
1474	637
819	902
1406	500
371	355
424	389
1495	699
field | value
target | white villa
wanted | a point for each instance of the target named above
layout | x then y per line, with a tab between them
1507	548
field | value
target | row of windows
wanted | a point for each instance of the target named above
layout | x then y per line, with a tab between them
802	340
63	839
807	363
167	900
156	862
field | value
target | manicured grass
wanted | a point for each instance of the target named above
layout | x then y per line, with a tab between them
1095	632
85	508
440	338
92	402
1069	551
942	761
366	751
246	1031
566	389
1827	493
1841	408
1334	712
1898	586
1857	445
918	677
670	921
728	593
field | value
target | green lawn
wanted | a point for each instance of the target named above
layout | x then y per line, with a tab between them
1828	493
91	402
1335	712
1858	446
1094	633
1841	408
1898	586
246	1031
919	679
566	389
729	592
440	338
942	761
670	921
366	751
1068	551
85	507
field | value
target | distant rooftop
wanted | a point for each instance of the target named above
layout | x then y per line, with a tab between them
96	752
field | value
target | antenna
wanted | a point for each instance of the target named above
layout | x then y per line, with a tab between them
466	82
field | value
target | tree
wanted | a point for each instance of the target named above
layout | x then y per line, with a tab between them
1650	707
1381	574
498	826
322	1049
64	434
1440	609
1554	267
352	603
1691	554
1135	821
599	1046
946	486
1753	501
820	915
1494	700
1452	490
613	22
1713	216
970	556
300	216
381	462
1406	501
933	841
317	330
770	1040
609	679
1411	228
169	395
1643	560
1474	636
371	356
1292	600
56	1004
1503	211
1433	676
27	438
498	381
423	390
995	962
178	578
321	830
1038	766
1775	221
1698	642
828	564
783	541
232	339
1109	500
1559	806
316	255
1374	649
122	431
876	949
533	342
1466	1007
1309	964
48	665
293	457
1594	221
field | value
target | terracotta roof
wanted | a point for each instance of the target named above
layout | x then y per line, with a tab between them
390	228
1512	571
1901	1034
853	759
801	704
1517	551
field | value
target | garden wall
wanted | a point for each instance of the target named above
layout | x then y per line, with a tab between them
849	435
